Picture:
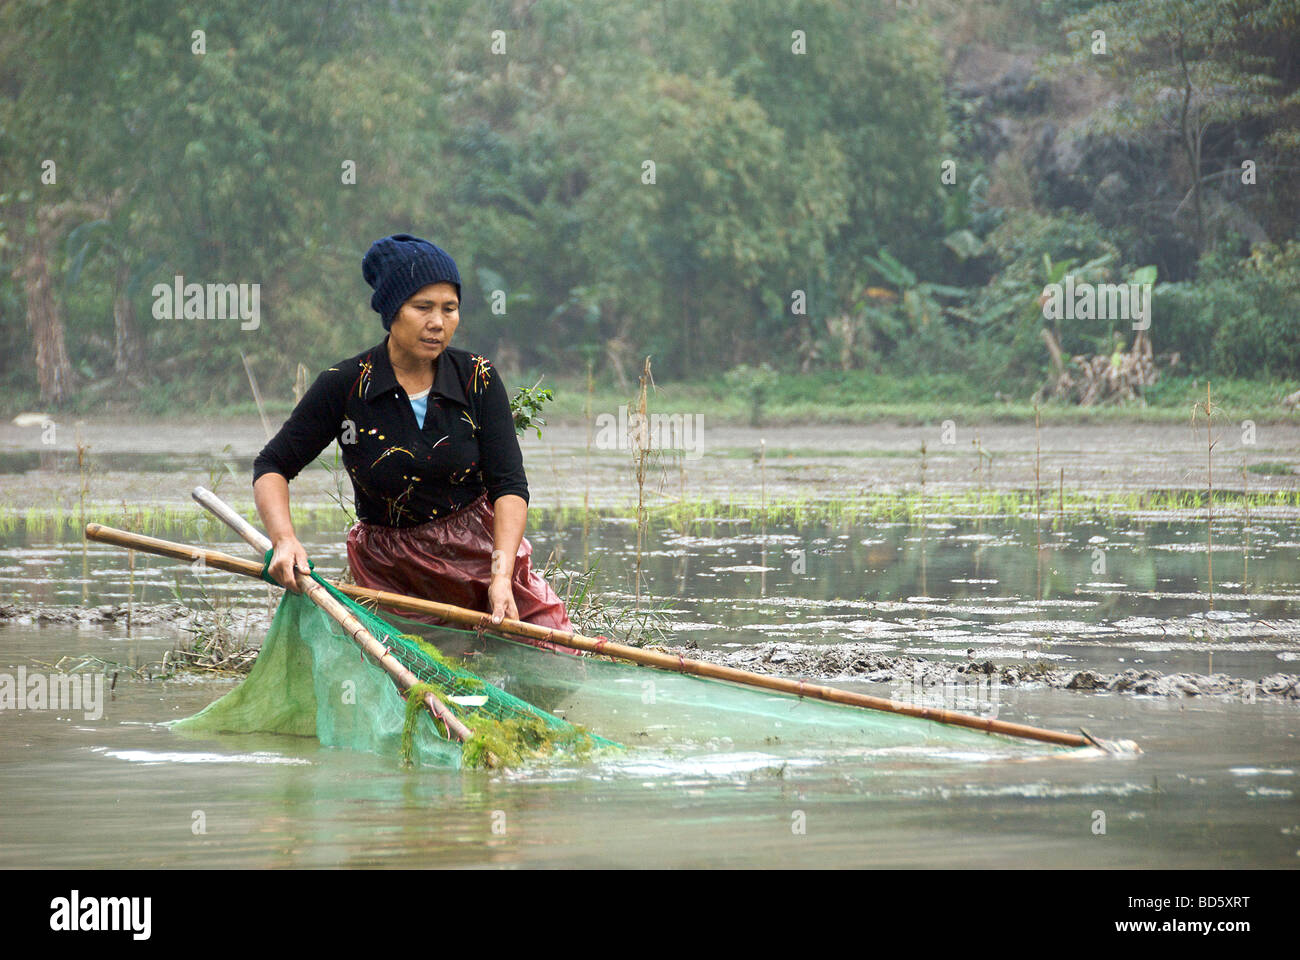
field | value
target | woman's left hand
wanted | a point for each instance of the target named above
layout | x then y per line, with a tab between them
501	598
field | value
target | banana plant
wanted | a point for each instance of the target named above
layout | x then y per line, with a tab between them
1055	272
919	299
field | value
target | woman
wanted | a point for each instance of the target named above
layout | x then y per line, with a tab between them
429	442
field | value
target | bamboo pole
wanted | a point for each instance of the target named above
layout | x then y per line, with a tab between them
403	677
321	597
367	642
517	629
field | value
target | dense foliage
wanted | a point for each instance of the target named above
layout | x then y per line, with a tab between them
719	185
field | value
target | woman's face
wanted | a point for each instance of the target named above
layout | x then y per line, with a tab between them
426	322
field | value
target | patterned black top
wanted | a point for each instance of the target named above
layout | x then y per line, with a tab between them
403	475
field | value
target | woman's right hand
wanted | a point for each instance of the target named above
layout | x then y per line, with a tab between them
288	555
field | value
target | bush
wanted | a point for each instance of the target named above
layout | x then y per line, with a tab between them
1007	312
1185	318
1020	242
1239	317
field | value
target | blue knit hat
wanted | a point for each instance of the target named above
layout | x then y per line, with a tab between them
400	265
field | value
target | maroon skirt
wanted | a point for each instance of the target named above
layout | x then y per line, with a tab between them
449	559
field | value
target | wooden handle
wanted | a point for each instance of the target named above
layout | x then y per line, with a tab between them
517	629
318	595
366	640
224	512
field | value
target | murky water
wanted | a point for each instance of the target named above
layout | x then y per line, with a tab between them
1100	594
1210	791
1217	785
159	462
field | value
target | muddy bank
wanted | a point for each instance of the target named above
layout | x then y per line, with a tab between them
223	628
855	661
157	463
140	614
206	643
818	662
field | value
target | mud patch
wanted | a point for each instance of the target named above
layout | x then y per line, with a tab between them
864	661
102	615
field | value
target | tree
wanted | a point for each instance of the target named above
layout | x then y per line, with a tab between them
1192	67
210	139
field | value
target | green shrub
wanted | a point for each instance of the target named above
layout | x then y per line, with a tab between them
1239	317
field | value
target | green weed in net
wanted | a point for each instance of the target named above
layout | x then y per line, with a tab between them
508	743
496	742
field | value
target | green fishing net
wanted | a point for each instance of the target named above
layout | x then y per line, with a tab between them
526	704
311	679
682	715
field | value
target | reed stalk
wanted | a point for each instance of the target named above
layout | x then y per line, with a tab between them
130	590
641	459
586	469
924	587
1038	512
1245	528
83	468
1209	486
257	395
1209	409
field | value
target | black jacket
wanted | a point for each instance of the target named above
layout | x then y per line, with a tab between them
403	475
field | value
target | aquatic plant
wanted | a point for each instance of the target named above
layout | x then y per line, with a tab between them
693	514
1209	409
495	742
216	644
643	452
594	612
525	406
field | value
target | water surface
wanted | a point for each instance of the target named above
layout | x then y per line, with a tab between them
1216	785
